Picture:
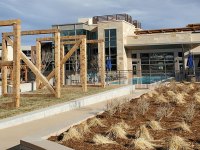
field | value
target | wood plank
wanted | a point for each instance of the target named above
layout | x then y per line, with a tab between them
16	64
83	64
9	22
38	62
34	32
66	57
4	69
37	72
57	64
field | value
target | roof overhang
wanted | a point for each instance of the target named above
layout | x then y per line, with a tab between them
162	46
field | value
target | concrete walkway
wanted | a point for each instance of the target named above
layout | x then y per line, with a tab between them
10	137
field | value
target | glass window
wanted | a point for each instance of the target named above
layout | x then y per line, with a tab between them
180	54
111	47
134	55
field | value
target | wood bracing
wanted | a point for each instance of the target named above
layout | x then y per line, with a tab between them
76	40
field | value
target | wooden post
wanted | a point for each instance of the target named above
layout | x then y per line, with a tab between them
83	64
38	62
57	64
4	68
62	67
102	63
16	64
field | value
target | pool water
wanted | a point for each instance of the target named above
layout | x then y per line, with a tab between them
141	80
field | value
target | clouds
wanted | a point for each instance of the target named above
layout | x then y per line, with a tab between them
41	14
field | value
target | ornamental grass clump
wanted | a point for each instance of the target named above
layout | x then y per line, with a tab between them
116	131
154	125
143	132
189	113
100	140
182	126
142	106
72	133
143	144
95	122
178	143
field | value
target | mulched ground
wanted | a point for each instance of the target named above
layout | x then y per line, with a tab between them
130	115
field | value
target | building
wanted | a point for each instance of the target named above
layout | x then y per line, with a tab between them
145	52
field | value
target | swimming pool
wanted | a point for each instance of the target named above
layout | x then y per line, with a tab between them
141	80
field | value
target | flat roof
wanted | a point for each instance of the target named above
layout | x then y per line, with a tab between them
189	27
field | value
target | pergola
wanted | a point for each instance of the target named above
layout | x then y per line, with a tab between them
58	72
76	41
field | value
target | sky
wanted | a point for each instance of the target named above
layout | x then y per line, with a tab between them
153	14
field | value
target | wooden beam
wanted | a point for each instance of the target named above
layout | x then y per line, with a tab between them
88	42
6	63
16	64
37	72
62	67
9	22
66	57
102	63
34	32
38	62
57	64
4	69
83	64
76	37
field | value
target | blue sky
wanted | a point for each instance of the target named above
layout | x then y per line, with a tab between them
153	14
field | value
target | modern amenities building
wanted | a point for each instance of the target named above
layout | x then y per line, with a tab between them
145	52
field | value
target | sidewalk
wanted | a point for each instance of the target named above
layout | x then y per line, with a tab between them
10	137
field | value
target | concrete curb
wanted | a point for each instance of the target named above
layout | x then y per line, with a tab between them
67	106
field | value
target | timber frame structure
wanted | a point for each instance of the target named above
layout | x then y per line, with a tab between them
79	40
18	55
60	59
16	59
